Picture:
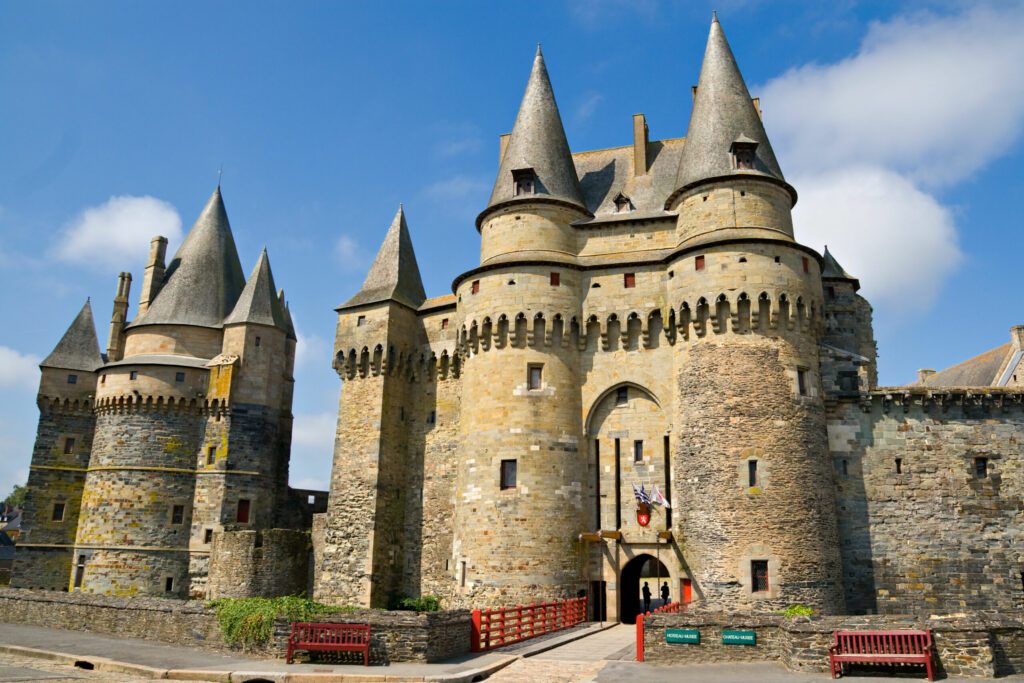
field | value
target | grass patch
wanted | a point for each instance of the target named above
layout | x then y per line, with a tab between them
249	622
797	610
425	603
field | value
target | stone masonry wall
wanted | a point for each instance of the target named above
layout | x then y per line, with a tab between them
972	645
920	529
265	563
56	478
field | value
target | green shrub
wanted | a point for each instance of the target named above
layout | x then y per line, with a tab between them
249	622
798	611
425	603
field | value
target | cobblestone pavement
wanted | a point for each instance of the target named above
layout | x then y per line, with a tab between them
16	668
535	670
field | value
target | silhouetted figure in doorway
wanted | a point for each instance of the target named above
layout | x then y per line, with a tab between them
647	597
664	594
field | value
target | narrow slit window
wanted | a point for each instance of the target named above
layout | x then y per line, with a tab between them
751	473
80	571
556	279
242	515
534	377
58	512
638	451
432	418
257	341
981	468
899	465
475	287
169	584
846	468
698	263
178	514
759	576
69	446
801	381
508	474
622	396
208	536
211	455
629	280
462	573
806	264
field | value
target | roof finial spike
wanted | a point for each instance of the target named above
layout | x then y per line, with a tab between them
714	16
538	49
220	175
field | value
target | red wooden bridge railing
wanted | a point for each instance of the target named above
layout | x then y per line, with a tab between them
493	628
670	607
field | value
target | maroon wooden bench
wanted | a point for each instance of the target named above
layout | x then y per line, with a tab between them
881	647
329	638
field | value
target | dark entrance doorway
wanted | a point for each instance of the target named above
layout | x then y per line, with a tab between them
631	579
598	609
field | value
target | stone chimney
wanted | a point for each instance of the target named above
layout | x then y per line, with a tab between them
154	276
639	145
1017	337
115	342
924	374
502	145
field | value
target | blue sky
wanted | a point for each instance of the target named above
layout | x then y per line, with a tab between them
898	123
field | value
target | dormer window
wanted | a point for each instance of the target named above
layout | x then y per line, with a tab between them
622	204
525	181
743	152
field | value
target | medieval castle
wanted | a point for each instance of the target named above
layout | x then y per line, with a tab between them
641	315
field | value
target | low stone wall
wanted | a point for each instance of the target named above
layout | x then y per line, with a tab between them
259	563
975	645
396	636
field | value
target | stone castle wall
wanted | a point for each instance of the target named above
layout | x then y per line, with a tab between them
259	563
928	532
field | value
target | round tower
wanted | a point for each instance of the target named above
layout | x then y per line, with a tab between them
752	474
521	474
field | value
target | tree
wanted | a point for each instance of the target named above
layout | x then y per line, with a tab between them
16	498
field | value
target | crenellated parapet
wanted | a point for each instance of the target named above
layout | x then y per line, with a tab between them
893	399
49	405
132	403
415	365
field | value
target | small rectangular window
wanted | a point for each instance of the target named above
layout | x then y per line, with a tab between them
475	287
178	514
169	584
629	280
831	291
806	264
80	571
698	263
534	377
257	341
638	451
759	576
103	379
58	512
462	573
69	446
444	323
208	536
72	379
846	468
360	321
242	516
433	417
524	181
622	396
508	474
801	381
751	473
556	279
211	455
981	468
179	377
899	465
134	374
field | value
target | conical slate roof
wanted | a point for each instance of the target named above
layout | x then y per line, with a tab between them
258	302
394	274
78	349
204	279
538	142
831	270
289	324
723	113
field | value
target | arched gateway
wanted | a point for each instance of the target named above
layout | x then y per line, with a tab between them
641	569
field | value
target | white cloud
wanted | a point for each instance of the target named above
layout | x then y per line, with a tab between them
311	351
116	234
315	431
901	242
350	255
587	107
933	97
925	102
17	370
458	187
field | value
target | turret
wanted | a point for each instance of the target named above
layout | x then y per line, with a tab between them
118	318
60	457
537	193
849	363
754	453
364	555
